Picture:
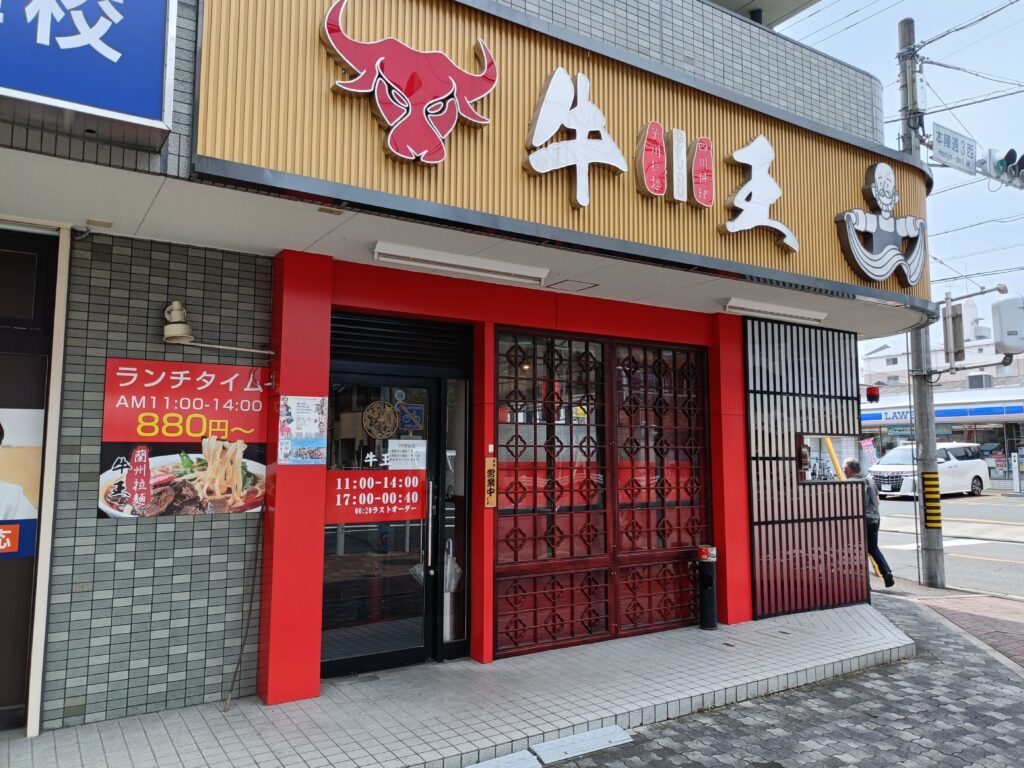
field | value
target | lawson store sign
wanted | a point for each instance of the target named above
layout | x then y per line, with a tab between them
108	58
988	410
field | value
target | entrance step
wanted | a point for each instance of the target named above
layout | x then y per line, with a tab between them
521	759
580	744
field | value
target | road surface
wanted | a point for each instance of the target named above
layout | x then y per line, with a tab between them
983	538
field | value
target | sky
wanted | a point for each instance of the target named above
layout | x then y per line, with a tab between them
864	33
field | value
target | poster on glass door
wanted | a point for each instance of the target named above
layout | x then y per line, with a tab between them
302	430
392	486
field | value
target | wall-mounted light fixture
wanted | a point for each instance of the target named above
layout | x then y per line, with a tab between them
766	311
178	330
411	256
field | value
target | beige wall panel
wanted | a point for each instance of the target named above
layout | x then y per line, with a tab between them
266	101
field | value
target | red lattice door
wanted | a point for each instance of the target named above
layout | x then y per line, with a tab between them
585	552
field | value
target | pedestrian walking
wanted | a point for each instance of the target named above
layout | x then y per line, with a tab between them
852	470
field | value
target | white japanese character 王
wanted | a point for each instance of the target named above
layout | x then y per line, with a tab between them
750	203
564	104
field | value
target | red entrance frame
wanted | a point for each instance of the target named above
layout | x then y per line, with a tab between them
306	289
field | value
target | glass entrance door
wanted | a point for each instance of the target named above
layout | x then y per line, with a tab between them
382	559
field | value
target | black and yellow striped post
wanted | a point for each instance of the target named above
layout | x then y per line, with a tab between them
931	500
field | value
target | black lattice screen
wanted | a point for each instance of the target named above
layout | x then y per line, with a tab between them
808	538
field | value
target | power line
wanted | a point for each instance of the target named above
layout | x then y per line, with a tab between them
967	100
986	37
982	75
965	25
991	96
959	186
971	277
854	12
952	269
1004	220
857	23
810	15
955	117
987	250
964	48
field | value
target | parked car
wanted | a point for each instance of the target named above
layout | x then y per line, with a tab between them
961	470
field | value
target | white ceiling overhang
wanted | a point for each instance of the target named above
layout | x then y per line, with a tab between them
41	188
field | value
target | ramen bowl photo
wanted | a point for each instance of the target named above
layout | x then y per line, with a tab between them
217	481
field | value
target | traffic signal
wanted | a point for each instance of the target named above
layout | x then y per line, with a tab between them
1007	167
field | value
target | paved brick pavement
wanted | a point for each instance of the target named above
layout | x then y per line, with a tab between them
953	705
460	713
996	621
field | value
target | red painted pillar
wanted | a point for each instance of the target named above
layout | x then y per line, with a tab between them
481	636
730	468
293	529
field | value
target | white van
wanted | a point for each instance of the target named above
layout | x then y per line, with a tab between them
961	470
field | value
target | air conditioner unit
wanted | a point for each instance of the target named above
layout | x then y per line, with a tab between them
766	311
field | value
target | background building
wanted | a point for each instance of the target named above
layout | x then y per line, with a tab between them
884	362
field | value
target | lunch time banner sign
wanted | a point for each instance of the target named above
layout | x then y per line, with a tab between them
182	439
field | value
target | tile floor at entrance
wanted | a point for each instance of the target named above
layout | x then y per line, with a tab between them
459	713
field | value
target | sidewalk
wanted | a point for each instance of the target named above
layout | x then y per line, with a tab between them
954	704
459	713
998	622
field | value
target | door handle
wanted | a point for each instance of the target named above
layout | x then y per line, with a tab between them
430	524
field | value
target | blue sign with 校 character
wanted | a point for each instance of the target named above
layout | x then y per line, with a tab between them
103	57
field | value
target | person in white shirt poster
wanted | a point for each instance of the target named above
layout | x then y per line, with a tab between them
13	504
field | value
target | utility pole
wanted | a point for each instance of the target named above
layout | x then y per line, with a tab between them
933	568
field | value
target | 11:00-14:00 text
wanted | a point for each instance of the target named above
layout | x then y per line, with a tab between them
190	403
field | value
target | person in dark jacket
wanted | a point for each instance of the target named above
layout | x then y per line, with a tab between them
852	470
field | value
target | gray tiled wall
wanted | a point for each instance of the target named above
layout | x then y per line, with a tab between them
690	35
712	44
147	614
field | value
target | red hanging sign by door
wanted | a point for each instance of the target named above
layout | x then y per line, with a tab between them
376	495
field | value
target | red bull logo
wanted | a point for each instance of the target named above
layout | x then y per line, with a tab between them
418	96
